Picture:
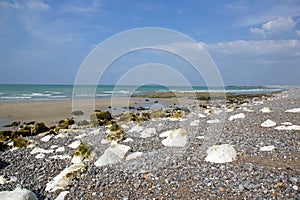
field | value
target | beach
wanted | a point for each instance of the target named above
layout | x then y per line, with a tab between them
145	161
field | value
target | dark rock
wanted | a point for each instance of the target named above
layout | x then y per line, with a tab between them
20	142
30	123
39	128
77	113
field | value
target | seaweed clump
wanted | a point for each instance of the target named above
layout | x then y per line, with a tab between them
115	133
101	118
84	150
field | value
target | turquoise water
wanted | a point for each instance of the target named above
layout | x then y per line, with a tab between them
61	92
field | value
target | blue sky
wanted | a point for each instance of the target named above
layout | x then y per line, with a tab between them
251	42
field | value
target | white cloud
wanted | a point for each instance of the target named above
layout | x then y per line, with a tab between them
82	7
265	10
261	62
31	5
275	27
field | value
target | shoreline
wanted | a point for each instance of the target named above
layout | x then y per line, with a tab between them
50	112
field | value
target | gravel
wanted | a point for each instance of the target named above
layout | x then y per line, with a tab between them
177	173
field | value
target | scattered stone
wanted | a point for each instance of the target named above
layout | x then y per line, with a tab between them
287	123
74	144
62	157
288	128
128	140
265	110
136	128
40	156
18	194
148	132
293	110
40	150
268	123
267	148
213	121
176	138
62	195
60	149
46	138
295	187
237	116
195	123
220	153
134	155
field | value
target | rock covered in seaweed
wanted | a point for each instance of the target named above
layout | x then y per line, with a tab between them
115	133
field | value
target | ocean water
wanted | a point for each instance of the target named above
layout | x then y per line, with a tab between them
14	92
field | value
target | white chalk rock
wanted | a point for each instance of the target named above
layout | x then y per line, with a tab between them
128	140
220	153
18	194
3	180
62	179
237	116
267	148
293	110
288	128
46	138
40	156
53	146
40	150
136	128
148	132
265	110
213	121
287	123
62	157
74	144
80	136
268	123
62	195
114	154
60	149
201	115
176	138
195	123
166	133
134	155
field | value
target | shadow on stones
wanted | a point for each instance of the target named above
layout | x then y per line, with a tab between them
3	164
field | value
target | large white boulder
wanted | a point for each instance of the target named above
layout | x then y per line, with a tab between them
175	138
18	194
220	153
114	154
268	123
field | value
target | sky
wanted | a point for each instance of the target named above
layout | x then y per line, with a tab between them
251	42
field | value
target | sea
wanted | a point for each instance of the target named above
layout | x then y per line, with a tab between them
20	92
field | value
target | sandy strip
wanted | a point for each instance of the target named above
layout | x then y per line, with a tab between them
50	112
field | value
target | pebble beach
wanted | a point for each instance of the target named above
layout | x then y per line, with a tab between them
166	156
